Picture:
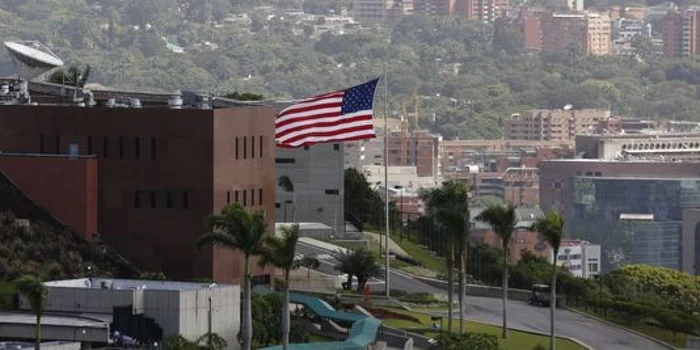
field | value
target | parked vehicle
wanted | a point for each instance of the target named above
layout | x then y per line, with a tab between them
541	296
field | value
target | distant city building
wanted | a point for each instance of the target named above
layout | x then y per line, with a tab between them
403	176
481	10
434	7
623	32
549	125
556	31
381	11
660	146
633	209
575	5
681	33
580	258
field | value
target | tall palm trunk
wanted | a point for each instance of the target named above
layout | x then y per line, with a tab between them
285	313
505	292
37	341
553	303
449	261
247	322
462	286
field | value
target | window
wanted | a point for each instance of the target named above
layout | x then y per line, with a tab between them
260	142
336	147
236	147
121	147
278	205
245	147
598	173
41	143
285	160
252	147
58	144
153	148
228	197
185	200
252	197
169	200
105	147
557	185
235	196
588	173
245	198
260	201
333	192
137	148
137	199
306	148
593	267
89	145
153	199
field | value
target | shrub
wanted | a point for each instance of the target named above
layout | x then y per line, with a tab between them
469	341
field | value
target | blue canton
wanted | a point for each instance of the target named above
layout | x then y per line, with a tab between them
359	98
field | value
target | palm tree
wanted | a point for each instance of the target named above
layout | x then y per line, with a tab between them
280	252
360	263
286	183
237	229
502	220
33	289
449	206
551	228
310	262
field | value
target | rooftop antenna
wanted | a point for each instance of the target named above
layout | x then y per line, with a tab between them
32	60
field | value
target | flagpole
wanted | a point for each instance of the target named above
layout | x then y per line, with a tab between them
386	185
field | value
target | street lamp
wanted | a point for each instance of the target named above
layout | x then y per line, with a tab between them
400	188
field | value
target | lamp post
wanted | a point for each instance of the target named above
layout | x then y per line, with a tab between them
400	188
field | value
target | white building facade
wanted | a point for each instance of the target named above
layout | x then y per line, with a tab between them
580	258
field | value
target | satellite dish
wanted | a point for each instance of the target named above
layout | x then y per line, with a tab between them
32	58
568	107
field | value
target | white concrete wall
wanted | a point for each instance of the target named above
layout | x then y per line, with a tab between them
225	313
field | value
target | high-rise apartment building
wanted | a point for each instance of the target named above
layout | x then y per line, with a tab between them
548	125
482	10
434	7
557	31
681	33
381	11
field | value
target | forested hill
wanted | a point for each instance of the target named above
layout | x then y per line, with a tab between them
469	75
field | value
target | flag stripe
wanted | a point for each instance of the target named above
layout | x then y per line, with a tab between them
329	111
363	132
304	107
336	119
326	130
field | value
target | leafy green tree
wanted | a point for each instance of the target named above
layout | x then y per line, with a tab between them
551	228
360	199
468	341
288	186
360	263
73	76
280	252
502	220
237	229
310	262
35	292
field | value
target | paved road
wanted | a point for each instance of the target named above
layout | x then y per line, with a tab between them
523	316
598	335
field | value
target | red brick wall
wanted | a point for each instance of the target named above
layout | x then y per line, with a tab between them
67	188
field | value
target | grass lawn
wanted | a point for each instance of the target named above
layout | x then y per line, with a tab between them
516	340
423	256
678	340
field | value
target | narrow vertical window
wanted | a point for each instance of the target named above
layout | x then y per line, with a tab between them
185	200
252	196
236	147
41	143
228	197
169	200
58	144
121	147
245	147
252	147
260	197
137	199
235	196
105	147
261	146
89	145
137	148
153	148
153	199
245	198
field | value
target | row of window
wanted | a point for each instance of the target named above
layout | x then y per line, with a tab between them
241	196
106	141
242	149
149	199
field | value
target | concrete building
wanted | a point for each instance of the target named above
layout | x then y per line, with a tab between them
482	10
434	7
591	31
575	5
381	11
317	173
658	146
147	208
633	209
549	125
187	309
401	176
419	149
681	33
623	30
580	258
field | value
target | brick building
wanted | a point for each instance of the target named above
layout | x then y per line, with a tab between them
547	125
547	31
381	11
159	172
681	33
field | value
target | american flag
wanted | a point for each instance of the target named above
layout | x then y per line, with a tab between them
337	116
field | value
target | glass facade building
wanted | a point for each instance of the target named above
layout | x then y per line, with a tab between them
635	220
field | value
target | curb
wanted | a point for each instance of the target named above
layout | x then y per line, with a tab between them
660	342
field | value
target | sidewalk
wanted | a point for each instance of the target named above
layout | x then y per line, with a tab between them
393	247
